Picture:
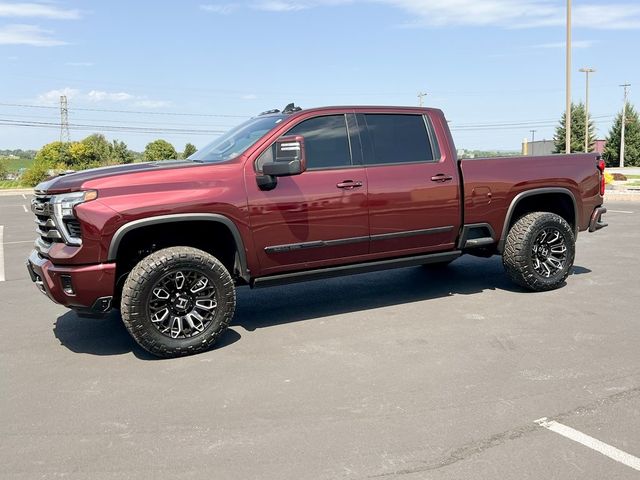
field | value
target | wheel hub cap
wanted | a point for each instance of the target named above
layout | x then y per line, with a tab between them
182	303
549	252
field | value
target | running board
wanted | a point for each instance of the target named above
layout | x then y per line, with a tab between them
317	274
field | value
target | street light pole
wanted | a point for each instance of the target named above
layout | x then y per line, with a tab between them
624	123
420	96
533	139
568	86
586	71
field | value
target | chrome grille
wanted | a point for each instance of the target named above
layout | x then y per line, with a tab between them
73	227
45	226
49	232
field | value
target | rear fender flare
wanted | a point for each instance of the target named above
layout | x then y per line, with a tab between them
529	193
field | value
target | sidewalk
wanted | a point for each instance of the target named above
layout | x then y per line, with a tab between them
16	191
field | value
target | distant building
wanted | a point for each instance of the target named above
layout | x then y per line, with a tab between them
537	148
546	147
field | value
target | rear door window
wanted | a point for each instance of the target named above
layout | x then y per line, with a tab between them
398	139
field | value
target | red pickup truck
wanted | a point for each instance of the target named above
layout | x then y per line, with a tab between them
299	195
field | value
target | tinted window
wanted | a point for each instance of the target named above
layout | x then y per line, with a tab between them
325	140
237	140
398	139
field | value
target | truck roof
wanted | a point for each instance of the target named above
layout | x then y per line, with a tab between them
356	108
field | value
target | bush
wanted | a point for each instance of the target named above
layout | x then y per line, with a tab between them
618	177
4	169
34	175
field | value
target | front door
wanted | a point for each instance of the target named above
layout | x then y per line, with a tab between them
319	217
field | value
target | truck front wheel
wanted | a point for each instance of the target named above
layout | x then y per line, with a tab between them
177	301
539	251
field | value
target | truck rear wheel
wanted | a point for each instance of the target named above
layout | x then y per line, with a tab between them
539	251
177	301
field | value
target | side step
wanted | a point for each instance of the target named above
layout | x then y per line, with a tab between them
317	274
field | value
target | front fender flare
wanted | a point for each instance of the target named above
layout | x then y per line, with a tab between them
182	217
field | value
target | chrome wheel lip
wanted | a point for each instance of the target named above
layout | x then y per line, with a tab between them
549	252
182	303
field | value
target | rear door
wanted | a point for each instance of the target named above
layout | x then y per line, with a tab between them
413	189
319	217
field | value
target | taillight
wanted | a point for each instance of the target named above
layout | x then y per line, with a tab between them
601	166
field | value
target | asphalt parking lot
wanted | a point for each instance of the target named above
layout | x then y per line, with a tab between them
405	374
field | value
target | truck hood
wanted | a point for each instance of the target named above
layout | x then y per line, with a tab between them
69	182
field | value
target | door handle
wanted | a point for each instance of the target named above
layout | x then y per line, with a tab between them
441	177
349	184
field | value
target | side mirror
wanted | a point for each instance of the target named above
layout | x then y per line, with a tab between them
289	158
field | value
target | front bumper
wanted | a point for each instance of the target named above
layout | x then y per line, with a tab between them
596	222
87	288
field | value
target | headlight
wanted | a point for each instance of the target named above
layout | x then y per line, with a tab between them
63	205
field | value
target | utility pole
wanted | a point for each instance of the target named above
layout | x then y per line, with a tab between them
624	122
586	71
421	95
533	139
64	120
568	86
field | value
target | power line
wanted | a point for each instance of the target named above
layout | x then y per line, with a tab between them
110	128
138	112
134	123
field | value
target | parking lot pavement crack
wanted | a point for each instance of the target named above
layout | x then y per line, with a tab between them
477	447
467	450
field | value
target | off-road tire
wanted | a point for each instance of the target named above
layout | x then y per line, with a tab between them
519	257
137	292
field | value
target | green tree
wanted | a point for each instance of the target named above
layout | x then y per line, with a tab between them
160	150
52	155
98	151
611	153
189	149
34	175
4	169
120	153
578	122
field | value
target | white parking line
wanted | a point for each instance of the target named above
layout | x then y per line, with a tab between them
24	196
1	253
17	242
25	209
618	211
592	443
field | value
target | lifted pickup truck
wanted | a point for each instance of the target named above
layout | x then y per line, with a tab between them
299	195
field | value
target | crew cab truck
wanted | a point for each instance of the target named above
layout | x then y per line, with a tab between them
297	195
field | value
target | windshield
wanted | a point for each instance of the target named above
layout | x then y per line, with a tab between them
237	140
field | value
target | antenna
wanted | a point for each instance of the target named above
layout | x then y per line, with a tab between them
64	120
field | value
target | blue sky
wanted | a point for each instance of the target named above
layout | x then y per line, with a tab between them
214	63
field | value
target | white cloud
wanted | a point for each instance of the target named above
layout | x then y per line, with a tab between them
151	103
52	97
40	10
283	5
562	45
28	35
489	13
79	64
102	96
79	97
222	9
